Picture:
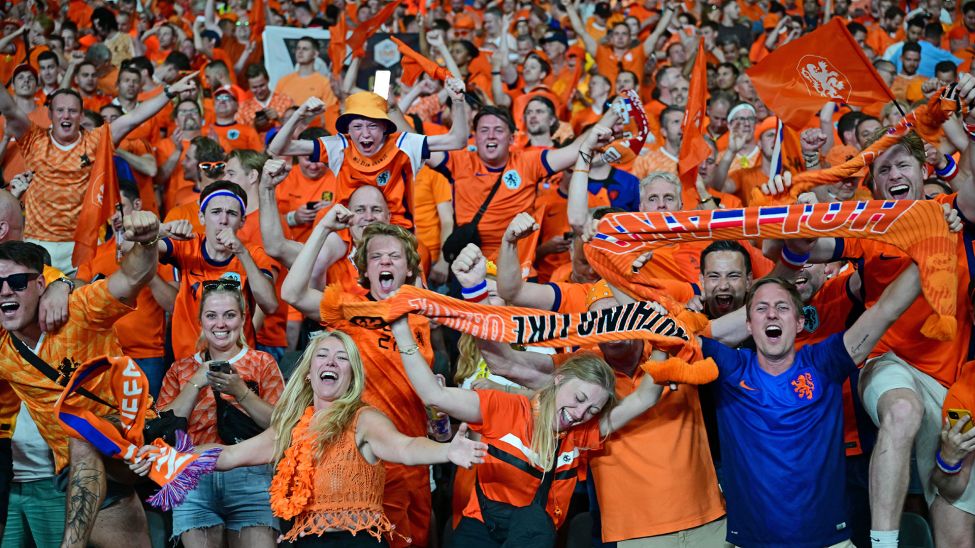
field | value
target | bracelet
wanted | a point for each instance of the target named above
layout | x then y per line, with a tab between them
152	242
410	351
793	260
475	294
944	467
949	170
493	73
241	400
706	200
290	218
67	281
580	171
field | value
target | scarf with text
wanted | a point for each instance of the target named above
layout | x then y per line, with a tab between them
916	227
636	128
926	120
175	469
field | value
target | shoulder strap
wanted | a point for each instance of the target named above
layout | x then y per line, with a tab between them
487	201
541	496
59	378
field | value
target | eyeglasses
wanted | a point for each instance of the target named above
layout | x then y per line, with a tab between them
242	24
18	282
212	167
223	283
223	98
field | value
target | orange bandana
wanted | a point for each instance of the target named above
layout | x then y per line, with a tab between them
916	227
175	470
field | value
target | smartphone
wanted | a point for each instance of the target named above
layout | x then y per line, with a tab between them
381	84
311	205
220	366
955	415
569	235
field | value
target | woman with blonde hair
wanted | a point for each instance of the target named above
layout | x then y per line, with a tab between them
329	447
226	391
534	442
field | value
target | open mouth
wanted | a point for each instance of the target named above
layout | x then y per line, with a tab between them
328	376
801	279
9	308
899	192
566	419
773	332
386	280
491	146
724	301
220	335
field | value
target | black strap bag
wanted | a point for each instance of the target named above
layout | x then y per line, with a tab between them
467	233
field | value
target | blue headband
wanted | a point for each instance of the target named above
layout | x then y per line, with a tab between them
203	204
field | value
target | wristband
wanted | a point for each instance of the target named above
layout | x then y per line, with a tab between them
950	170
290	219
944	467
793	260
475	294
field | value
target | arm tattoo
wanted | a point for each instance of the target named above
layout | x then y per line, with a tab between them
86	490
856	349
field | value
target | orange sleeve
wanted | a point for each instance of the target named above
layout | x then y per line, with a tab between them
52	274
960	394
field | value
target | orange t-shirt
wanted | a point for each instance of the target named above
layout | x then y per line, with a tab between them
13	159
89	334
272	332
52	204
472	182
297	190
881	264
654	160
142	332
190	211
429	190
610	65
96	101
746	180
257	369
237	136
108	84
299	88
195	266
392	169
507	430
178	189
664	450
147	188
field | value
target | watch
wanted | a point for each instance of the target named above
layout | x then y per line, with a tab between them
67	281
169	94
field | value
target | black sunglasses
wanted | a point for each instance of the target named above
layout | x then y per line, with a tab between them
221	284
18	282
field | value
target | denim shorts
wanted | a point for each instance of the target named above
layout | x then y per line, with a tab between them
234	499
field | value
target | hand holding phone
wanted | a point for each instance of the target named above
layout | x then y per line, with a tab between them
955	415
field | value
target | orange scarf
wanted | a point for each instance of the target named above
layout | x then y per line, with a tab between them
294	481
175	470
916	227
925	120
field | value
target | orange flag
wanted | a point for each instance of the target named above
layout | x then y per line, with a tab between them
693	149
414	63
336	45
366	29
100	199
796	79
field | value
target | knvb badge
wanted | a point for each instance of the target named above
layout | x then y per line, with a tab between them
824	79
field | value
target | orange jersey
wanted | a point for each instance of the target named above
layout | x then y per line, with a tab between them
272	332
53	202
610	65
190	211
92	313
195	267
250	107
238	136
13	159
299	88
392	169
654	160
389	389
257	369
429	190
297	190
141	333
880	264
507	474
178	189
147	189
96	101
472	181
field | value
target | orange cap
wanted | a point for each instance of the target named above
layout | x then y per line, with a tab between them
464	21
364	104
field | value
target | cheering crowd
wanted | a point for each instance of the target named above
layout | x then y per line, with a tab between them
523	295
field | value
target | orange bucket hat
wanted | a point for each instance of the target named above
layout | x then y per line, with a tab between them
364	104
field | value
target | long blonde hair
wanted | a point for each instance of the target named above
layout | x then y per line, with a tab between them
469	359
586	367
298	395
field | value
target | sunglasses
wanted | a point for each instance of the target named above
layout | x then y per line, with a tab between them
221	284
212	167
18	282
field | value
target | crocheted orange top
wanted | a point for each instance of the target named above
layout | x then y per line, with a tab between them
340	491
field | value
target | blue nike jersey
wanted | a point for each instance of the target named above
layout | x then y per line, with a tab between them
782	446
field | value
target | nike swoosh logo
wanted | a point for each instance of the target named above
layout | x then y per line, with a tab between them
745	386
887	257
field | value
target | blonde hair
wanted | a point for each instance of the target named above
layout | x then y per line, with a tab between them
201	343
405	237
469	359
298	395
587	367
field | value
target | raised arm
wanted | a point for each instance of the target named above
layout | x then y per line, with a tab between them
580	29
124	124
463	405
863	335
16	121
456	138
296	289
578	201
139	264
283	143
511	286
388	444
665	18
275	243
634	405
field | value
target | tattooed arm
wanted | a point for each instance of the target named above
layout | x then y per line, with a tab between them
863	335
